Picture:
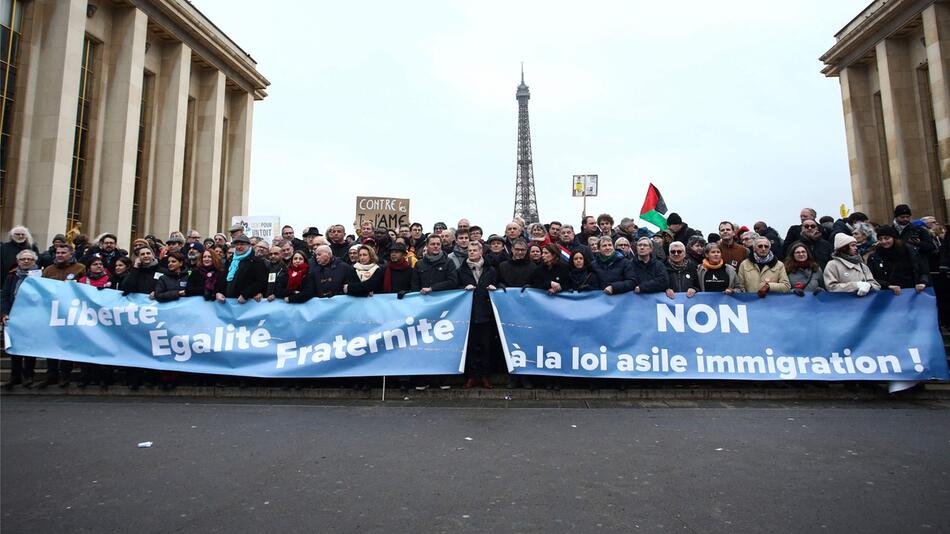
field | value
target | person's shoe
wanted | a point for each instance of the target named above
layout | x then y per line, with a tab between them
422	388
486	383
445	386
469	384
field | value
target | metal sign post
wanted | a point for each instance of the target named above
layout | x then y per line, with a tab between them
585	185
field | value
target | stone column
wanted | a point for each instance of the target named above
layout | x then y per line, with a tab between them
172	112
239	167
864	155
210	111
46	168
905	144
120	131
936	19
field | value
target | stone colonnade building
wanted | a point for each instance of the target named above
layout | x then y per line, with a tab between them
128	116
893	62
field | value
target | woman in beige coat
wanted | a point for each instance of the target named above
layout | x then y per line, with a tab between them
847	272
762	272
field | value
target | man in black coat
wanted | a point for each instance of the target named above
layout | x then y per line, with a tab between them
433	271
813	238
479	277
107	251
20	239
517	271
328	273
568	240
144	274
681	231
398	273
650	272
910	233
248	279
287	233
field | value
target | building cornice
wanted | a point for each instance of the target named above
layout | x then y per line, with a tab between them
184	21
878	21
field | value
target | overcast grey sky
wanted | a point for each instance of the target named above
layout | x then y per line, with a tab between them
720	104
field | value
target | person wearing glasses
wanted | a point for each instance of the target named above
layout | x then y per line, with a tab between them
622	245
681	271
813	237
650	273
762	273
106	250
287	233
276	273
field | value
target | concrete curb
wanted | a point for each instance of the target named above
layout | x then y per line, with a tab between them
870	392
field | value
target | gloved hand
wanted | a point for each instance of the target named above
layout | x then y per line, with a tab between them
401	294
799	291
863	288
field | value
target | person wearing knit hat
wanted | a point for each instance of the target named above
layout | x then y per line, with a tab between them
847	272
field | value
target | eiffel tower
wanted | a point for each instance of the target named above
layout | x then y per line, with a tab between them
526	205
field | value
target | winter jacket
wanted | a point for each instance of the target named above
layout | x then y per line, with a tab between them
437	274
918	237
496	259
753	276
821	250
103	282
900	266
542	277
683	277
8	252
357	288
516	273
70	271
728	272
618	273
806	280
583	280
650	275
457	256
481	302
327	280
842	275
276	275
196	284
108	258
733	255
400	280
168	286
141	279
682	236
250	279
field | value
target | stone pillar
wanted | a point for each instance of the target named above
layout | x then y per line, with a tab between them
905	144
209	133
46	169
120	131
864	155
172	113
239	167
936	20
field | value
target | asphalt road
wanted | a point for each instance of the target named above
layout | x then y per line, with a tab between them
73	466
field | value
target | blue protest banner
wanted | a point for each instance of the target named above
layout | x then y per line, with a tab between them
831	336
336	337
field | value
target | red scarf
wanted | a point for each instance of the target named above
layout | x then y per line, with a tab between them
387	276
296	275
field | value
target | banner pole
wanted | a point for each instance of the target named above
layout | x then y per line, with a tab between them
384	388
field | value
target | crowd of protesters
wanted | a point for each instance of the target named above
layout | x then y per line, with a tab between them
852	255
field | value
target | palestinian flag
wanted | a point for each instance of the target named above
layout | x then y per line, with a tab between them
654	208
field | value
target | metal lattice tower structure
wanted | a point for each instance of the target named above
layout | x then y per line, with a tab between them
526	204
